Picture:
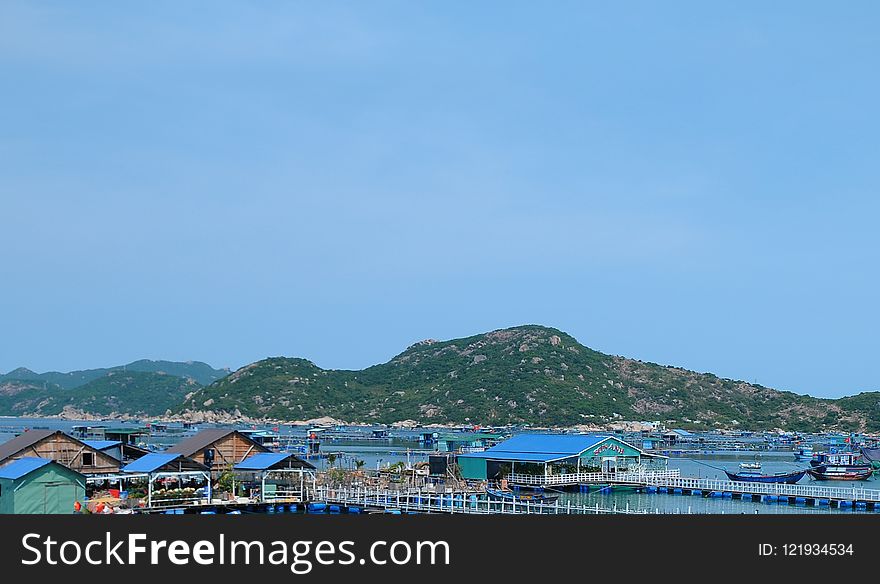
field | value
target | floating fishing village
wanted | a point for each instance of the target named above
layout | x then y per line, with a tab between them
59	466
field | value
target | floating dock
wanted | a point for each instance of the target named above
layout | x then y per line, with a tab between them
671	481
807	494
459	502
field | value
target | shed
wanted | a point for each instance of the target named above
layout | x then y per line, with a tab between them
58	446
548	454
39	485
281	475
218	448
176	469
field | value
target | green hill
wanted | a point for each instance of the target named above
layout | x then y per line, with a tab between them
130	392
523	375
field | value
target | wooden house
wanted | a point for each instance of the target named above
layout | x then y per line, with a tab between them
220	449
57	446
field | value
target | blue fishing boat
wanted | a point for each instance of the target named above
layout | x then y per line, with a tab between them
804	453
789	478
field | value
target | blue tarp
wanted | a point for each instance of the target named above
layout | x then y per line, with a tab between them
539	447
22	467
150	462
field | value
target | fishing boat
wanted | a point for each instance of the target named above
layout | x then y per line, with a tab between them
804	453
842	473
750	465
836	459
751	476
521	497
839	466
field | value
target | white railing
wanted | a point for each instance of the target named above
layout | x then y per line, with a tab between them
779	489
463	502
632	477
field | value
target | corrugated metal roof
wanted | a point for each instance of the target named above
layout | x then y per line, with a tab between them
22	441
539	447
267	460
102	444
150	462
22	467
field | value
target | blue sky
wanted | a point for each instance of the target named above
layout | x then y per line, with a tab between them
681	182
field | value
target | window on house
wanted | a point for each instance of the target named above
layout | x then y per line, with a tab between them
88	459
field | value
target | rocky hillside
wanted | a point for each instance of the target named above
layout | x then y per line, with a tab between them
523	375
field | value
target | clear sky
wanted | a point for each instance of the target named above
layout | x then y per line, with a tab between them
682	182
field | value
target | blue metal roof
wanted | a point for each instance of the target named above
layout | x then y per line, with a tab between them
22	467
102	444
262	460
150	462
539	447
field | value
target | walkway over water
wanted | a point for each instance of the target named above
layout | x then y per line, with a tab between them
460	502
591	478
851	494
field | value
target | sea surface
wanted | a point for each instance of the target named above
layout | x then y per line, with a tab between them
402	445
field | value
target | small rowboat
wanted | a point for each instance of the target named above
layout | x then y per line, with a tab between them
788	478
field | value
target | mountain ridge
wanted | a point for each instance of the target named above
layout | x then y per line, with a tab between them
529	374
526	375
199	371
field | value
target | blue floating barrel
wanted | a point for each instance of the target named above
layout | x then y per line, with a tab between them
861	505
697	492
178	511
270	508
662	490
317	507
677	491
800	500
293	508
169	512
844	504
715	494
651	490
354	510
823	501
727	494
208	512
335	509
393	511
236	512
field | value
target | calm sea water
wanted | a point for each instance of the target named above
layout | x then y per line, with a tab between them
402	447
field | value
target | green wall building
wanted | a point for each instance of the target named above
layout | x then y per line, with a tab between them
39	485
